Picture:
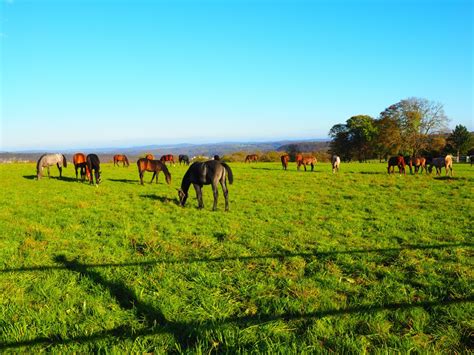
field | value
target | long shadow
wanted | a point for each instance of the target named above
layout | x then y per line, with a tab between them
64	178
246	257
187	333
449	178
160	198
29	177
372	172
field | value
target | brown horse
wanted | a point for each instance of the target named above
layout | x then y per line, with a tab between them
298	160
309	160
251	157
121	158
285	158
149	157
79	161
419	163
167	158
396	161
155	166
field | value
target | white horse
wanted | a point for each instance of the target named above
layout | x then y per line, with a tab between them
336	161
46	160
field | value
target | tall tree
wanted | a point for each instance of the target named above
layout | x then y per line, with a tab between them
460	140
416	119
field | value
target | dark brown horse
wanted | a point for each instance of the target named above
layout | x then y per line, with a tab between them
121	158
205	173
167	158
251	157
284	161
309	160
155	166
93	165
79	161
183	159
396	161
216	157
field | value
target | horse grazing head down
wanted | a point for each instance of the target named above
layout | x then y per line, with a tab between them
183	196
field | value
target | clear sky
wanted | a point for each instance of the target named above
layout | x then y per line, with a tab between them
119	73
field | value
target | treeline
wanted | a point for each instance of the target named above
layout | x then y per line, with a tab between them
275	156
414	127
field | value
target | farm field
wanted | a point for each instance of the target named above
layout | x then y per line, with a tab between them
303	262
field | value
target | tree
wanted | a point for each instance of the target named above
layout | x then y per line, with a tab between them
416	119
353	139
460	140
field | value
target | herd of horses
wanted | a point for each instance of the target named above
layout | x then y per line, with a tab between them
420	163
215	172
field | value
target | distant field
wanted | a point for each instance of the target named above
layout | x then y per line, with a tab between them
303	262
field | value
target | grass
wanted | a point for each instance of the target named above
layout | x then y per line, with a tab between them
303	262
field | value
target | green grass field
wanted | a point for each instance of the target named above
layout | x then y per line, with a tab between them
303	262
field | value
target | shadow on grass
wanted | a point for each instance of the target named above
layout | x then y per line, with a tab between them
449	178
64	178
372	172
247	257
126	181
187	334
161	198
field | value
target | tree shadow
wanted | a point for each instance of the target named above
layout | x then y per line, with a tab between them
310	254
187	334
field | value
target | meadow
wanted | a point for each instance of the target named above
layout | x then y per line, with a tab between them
303	262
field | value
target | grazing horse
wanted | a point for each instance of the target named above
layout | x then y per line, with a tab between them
80	162
439	163
335	162
251	157
46	160
285	158
121	158
216	157
396	161
183	159
298	160
167	158
419	163
93	164
155	166
310	160
205	173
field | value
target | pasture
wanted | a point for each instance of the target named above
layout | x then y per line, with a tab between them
303	262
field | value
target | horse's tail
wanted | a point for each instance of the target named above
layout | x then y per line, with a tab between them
229	172
64	161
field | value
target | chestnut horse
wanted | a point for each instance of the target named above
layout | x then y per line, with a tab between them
167	158
396	161
251	157
309	160
285	158
419	163
155	166
79	161
149	157
121	158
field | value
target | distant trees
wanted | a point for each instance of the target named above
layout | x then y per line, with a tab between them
460	140
406	127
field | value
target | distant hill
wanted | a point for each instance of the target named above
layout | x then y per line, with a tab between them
106	154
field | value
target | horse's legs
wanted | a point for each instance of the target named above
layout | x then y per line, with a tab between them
304	165
226	193
199	195
140	173
60	171
215	191
154	174
312	166
75	168
48	173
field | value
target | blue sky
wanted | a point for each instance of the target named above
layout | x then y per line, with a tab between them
102	73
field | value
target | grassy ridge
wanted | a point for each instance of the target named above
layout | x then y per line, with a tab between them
302	262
